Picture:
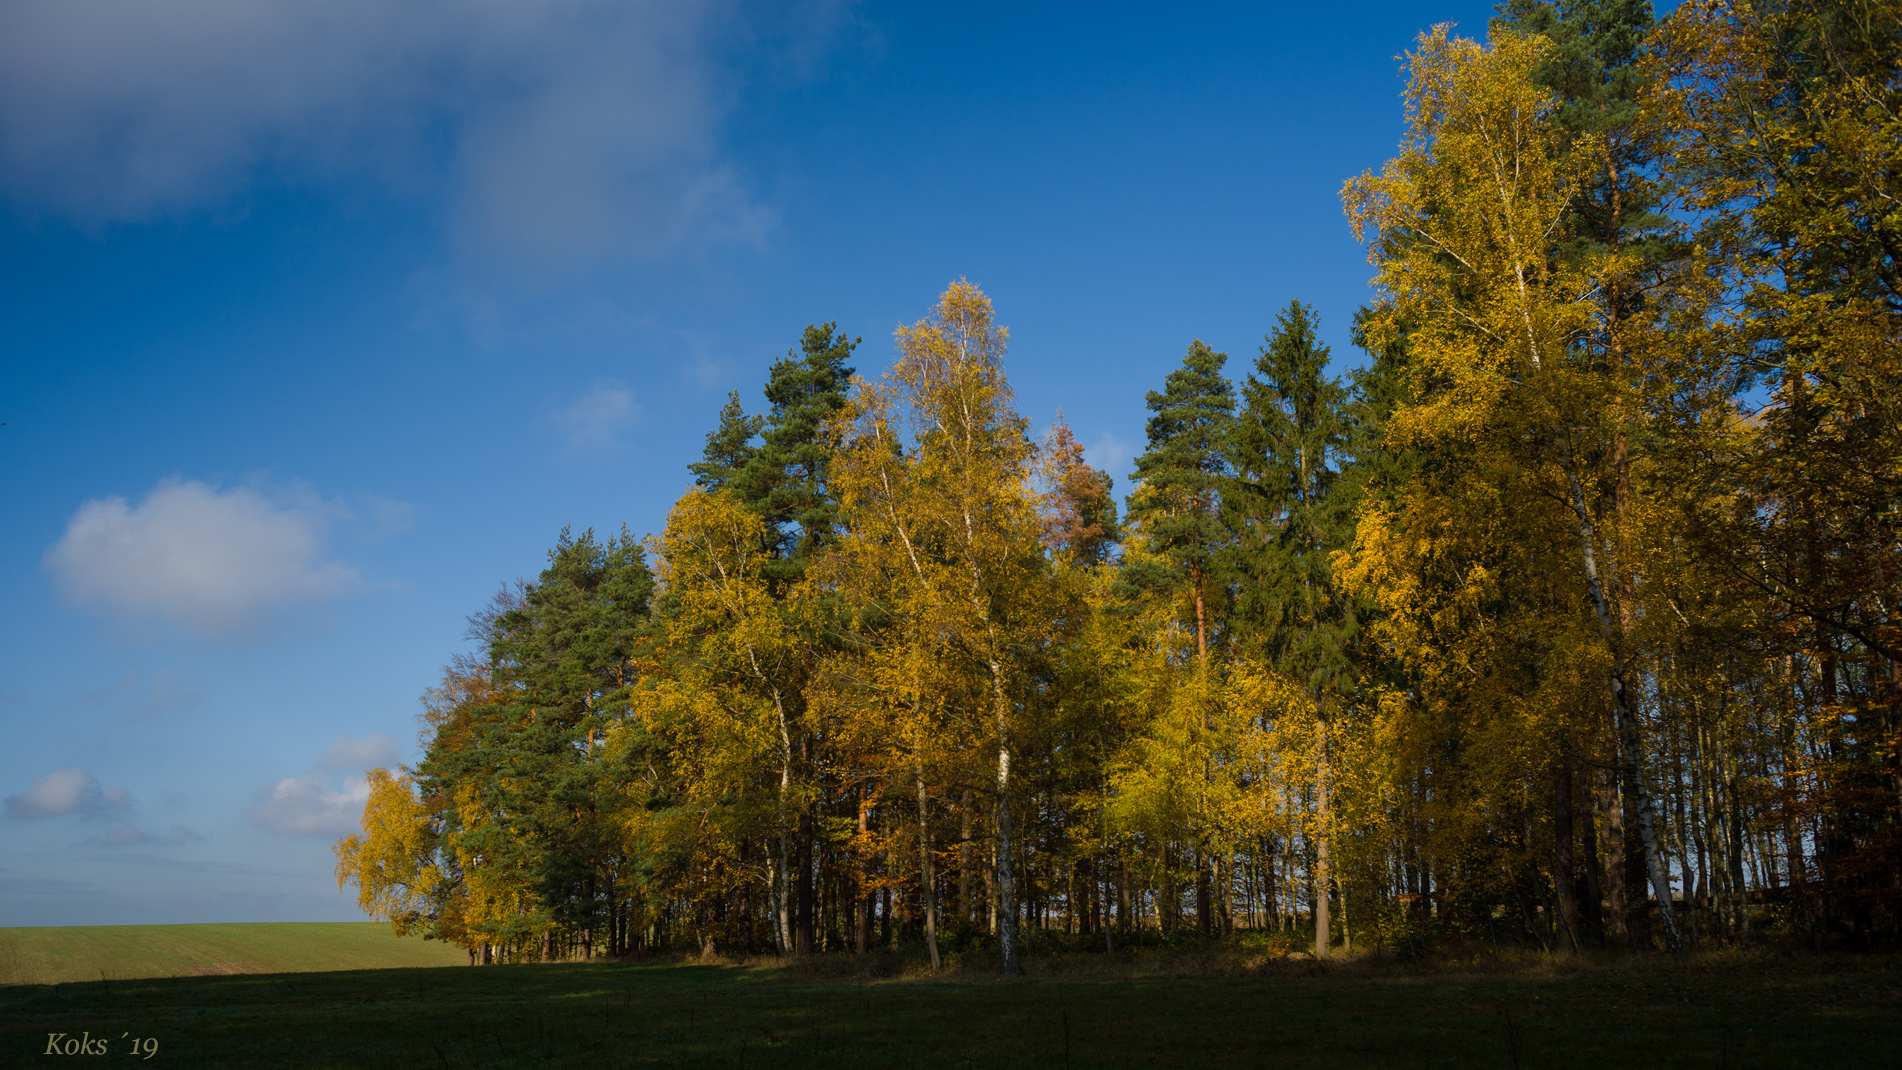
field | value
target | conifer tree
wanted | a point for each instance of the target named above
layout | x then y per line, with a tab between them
1178	501
729	446
787	482
561	658
788	479
1079	522
1284	502
1286	505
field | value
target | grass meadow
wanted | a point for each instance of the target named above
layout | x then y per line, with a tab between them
61	954
1211	1008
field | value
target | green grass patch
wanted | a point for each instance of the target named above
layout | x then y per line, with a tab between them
59	954
1111	1011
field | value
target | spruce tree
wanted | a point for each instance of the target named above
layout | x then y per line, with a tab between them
1286	506
1284	503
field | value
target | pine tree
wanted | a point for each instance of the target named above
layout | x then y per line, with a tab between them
730	446
561	658
788	479
1178	501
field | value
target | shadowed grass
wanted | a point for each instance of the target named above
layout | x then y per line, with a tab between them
57	954
1529	1012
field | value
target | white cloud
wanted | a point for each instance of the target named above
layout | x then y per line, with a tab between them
306	806
67	791
554	130
356	755
593	422
214	561
316	804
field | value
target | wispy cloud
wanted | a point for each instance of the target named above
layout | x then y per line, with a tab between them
146	692
191	865
555	131
133	836
216	562
385	518
357	755
49	887
592	423
67	791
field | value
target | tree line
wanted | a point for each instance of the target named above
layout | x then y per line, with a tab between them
1569	618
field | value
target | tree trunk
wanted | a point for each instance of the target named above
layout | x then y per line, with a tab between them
1592	910
802	882
1564	878
1204	908
1006	882
1624	706
782	898
1321	838
1123	916
927	870
864	897
964	857
1637	905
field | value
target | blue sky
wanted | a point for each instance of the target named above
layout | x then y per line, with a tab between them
320	320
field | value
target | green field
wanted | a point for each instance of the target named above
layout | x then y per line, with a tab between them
1097	1011
58	954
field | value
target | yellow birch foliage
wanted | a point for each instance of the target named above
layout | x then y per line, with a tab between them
725	703
942	545
1484	563
393	863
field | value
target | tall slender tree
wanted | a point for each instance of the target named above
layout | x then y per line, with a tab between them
1285	503
938	477
1177	502
788	478
1464	225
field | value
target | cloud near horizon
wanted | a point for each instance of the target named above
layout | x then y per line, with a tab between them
133	836
67	791
307	806
555	131
215	562
310	805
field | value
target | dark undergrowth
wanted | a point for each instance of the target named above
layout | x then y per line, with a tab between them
1226	1004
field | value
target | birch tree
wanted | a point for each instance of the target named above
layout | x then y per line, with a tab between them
936	482
1464	226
